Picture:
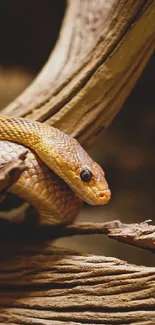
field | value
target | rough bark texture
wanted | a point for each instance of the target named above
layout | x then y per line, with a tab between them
41	284
102	50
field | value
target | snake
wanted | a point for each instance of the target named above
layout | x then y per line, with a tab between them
60	174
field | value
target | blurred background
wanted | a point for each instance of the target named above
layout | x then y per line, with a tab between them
126	151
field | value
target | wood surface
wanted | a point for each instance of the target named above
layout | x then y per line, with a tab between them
101	52
43	284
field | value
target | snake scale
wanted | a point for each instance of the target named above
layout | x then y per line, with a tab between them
60	174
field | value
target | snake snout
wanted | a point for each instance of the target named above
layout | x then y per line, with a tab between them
104	196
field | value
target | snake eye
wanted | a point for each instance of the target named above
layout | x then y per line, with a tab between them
86	175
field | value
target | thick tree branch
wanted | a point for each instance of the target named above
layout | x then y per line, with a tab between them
41	284
102	49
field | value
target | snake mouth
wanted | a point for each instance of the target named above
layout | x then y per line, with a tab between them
101	198
104	196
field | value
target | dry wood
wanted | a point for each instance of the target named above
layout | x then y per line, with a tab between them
41	284
140	235
11	171
102	49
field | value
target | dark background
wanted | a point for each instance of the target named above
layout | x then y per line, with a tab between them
28	32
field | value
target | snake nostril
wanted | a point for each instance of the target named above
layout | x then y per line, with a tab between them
105	194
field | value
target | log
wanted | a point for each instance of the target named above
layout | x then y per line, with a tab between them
102	50
43	284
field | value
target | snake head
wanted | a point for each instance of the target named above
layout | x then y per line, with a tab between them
95	186
90	184
83	175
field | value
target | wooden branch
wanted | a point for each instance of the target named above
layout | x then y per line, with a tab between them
139	235
10	172
42	284
101	52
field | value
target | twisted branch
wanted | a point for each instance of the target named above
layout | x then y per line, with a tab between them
101	52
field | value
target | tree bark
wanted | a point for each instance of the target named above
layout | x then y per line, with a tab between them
41	284
101	52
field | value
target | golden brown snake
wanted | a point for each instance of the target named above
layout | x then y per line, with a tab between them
60	173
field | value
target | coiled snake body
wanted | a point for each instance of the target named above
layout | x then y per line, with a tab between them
60	173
